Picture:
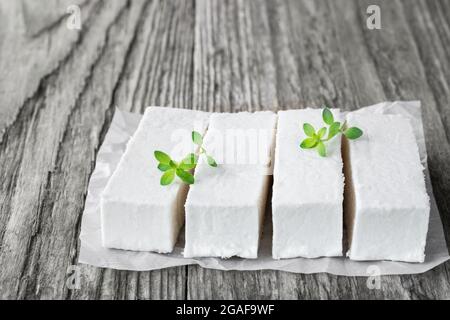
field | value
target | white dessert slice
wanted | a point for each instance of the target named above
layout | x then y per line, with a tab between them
137	212
226	205
308	191
386	206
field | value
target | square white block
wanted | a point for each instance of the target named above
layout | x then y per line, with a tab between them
387	207
137	213
308	191
226	205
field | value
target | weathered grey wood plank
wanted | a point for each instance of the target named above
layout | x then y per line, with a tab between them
233	67
76	152
32	223
26	61
40	16
425	20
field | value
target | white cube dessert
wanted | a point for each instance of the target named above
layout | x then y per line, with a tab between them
137	213
387	207
308	191
226	205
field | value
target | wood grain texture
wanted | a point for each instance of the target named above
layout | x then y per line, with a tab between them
26	61
39	18
59	89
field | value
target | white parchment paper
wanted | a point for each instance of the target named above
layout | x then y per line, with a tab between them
122	128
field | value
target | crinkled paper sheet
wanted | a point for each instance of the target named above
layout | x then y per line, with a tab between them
122	128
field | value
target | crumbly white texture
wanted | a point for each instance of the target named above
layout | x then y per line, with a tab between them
137	212
391	203
226	205
307	191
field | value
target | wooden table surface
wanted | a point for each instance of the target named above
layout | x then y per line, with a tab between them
59	89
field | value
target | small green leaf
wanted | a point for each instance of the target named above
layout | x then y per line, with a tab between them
308	143
327	116
211	161
197	138
309	129
189	162
162	157
163	167
334	130
353	133
321	149
321	133
167	177
173	164
185	176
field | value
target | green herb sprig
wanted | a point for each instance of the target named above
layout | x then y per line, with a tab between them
182	169
317	139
